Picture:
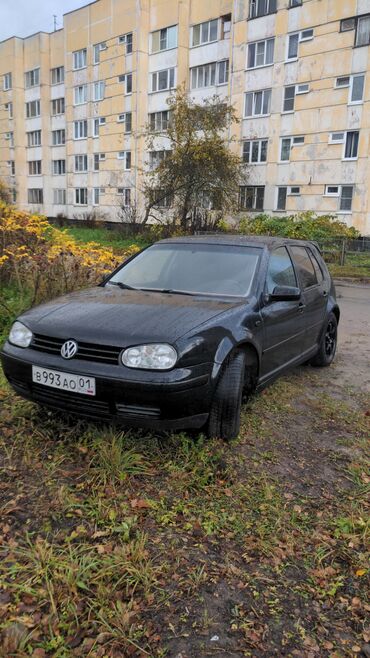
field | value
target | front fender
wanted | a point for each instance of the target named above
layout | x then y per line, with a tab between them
227	345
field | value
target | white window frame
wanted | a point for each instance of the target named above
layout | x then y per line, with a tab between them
39	201
9	109
98	90
278	188
7	81
302	37
81	164
56	193
331	194
56	164
10	137
80	95
254	201
356	75
58	73
158	119
127	40
255	44
32	78
293	187
99	121
80	129
163	39
303	88
57	104
97	49
79	59
123	118
208	38
346	211
254	13
81	196
126	157
352	159
125	192
33	133
251	142
341	140
36	105
171	80
254	93
365	17
36	166
339	85
59	133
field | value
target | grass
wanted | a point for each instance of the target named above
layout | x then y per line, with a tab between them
106	237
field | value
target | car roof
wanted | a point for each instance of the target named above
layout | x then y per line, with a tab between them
236	240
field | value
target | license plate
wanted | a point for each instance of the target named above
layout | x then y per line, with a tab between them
63	381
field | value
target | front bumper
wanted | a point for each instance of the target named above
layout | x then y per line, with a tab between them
177	399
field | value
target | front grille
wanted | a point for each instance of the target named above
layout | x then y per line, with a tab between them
86	351
70	401
136	411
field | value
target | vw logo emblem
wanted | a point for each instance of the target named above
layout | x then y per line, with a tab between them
69	349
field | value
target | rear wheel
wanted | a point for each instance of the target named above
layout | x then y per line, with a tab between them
224	417
328	345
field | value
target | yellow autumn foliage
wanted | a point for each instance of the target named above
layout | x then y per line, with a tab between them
46	260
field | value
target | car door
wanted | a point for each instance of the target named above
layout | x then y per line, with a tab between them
283	321
314	292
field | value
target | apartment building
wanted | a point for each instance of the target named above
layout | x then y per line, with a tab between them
74	104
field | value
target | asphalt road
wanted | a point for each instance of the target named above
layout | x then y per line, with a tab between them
353	358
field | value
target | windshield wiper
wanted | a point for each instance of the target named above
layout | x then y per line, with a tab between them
123	286
170	291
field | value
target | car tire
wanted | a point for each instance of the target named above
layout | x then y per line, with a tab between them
224	417
328	344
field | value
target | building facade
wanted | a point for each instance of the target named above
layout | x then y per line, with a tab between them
74	104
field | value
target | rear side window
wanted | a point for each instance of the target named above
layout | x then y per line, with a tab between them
280	270
316	265
305	267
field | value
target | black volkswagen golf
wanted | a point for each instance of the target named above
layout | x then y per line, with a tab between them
177	335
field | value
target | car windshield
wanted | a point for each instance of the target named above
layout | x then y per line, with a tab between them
210	269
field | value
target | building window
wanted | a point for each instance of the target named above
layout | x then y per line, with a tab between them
363	31
294	191
79	59
164	39
57	106
34	168
289	97
97	49
294	40
125	193
57	75
158	121
34	138
346	198
257	103
32	78
58	167
156	157
80	129
127	40
98	158
81	196
252	197
343	81
261	8
36	196
80	164
32	109
332	190
11	165
336	138
295	3
10	137
80	95
225	26
58	137
281	198
209	75
126	119
163	80
356	89
9	109
127	80
99	89
97	192
126	157
59	197
96	125
351	147
260	53
255	151
7	81
160	198
204	32
286	146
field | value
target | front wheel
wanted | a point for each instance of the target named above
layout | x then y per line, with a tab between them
224	417
328	344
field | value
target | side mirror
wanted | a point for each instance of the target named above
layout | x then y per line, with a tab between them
285	294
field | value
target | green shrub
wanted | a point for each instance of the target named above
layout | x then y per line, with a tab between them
303	226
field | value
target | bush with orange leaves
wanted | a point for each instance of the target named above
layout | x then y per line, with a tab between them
46	261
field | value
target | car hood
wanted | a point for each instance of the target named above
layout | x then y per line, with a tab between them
109	315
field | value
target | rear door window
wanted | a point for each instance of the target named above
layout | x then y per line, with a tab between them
316	265
306	271
280	270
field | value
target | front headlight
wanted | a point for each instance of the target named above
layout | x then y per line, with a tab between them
20	335
150	357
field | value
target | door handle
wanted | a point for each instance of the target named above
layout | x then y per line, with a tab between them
301	307
325	293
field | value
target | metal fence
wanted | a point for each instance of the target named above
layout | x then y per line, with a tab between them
344	251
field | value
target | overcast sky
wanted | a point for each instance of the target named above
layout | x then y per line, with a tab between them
23	17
